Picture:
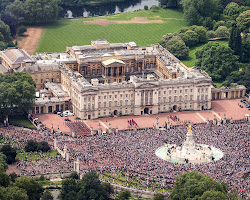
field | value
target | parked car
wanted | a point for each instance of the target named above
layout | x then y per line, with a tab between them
68	113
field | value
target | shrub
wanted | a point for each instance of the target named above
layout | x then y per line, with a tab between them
21	30
211	34
222	31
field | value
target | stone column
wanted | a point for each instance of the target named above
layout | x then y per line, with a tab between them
67	157
110	129
157	124
231	120
224	119
55	144
99	129
77	166
214	120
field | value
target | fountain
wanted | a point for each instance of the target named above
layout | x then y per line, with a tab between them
189	152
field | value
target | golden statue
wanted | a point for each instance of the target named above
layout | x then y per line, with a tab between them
189	129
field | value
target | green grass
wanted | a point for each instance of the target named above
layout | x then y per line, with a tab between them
21	121
68	32
218	84
33	156
45	182
191	59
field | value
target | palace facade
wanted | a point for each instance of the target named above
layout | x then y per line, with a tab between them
105	79
124	79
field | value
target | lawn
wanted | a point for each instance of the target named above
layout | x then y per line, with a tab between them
21	121
68	32
34	156
190	61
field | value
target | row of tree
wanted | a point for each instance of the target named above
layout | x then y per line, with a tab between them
208	12
189	185
178	43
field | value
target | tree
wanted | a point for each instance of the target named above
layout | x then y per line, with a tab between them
190	38
215	195
93	189
232	11
31	145
176	46
47	195
222	31
211	34
217	60
235	42
4	179
218	24
70	188
159	196
16	8
193	185
240	77
201	32
3	163
33	188
243	21
35	11
17	93
170	3
15	193
11	21
13	176
21	30
5	35
197	11
9	152
246	49
74	175
43	146
124	195
89	188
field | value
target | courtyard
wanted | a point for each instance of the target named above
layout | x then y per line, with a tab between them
230	108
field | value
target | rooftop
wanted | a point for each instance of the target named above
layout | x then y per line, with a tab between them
112	60
17	56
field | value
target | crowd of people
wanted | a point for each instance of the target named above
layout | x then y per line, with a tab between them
133	151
